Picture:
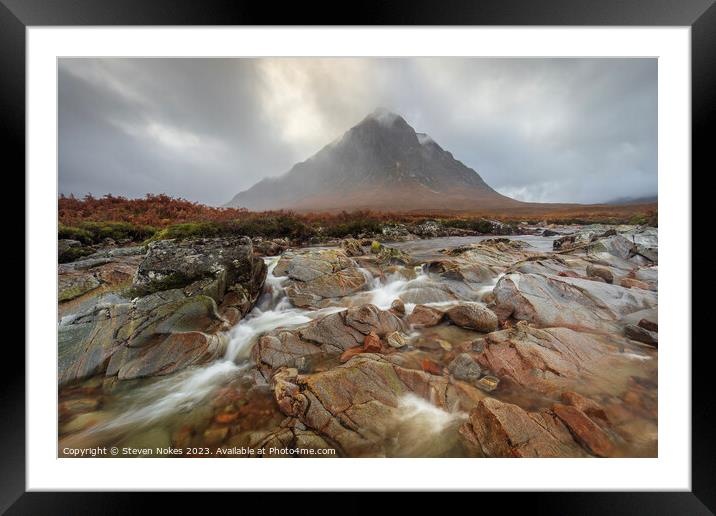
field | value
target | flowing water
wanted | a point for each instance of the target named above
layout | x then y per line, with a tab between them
151	413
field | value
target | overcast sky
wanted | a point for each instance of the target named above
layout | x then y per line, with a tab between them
562	130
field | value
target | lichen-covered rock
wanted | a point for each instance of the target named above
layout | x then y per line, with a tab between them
390	255
352	247
269	247
178	263
72	285
167	330
85	276
69	250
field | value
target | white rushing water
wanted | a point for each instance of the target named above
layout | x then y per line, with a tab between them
383	293
189	388
421	428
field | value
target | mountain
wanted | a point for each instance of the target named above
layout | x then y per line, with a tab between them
380	164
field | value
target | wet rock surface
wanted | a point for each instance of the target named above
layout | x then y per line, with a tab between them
101	271
500	429
170	329
473	317
317	275
497	347
356	404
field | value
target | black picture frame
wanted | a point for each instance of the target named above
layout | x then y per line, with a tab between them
17	15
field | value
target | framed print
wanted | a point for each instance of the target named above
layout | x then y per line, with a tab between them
422	244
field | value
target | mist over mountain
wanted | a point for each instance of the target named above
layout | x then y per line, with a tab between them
380	164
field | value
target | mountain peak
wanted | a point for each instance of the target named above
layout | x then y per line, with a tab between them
382	164
384	116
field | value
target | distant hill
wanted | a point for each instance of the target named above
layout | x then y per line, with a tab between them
380	164
634	200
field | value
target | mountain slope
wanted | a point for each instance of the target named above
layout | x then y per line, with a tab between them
380	164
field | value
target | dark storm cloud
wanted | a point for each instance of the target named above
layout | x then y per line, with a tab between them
560	130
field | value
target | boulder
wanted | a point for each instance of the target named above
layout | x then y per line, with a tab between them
500	429
429	291
223	262
473	316
273	247
284	348
69	250
396	232
396	340
83	278
495	254
634	283
616	245
357	405
332	333
63	244
167	330
72	285
585	431
334	285
551	360
641	334
315	275
371	343
570	302
464	367
424	316
173	353
589	407
345	332
390	255
119	337
649	324
119	252
398	307
460	270
600	272
428	229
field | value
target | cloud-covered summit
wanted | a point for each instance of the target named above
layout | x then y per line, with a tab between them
556	130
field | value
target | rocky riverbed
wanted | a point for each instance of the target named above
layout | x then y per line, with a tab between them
536	345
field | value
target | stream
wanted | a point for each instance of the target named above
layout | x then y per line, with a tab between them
150	413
